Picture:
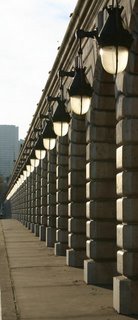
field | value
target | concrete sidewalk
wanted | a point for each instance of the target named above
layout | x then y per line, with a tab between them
37	285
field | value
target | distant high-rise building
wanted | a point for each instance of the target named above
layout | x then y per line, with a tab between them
9	149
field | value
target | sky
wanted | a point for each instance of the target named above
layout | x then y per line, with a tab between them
30	33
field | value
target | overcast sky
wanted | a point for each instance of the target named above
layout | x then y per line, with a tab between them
30	33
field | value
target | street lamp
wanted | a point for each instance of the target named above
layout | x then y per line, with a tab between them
40	151
33	161
49	136
80	92
114	42
61	118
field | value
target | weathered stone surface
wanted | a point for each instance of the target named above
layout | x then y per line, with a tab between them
99	273
42	233
100	151
62	236
127	183
77	137
100	170
50	237
76	225
62	196
125	295
127	236
104	102
76	241
127	157
60	171
100	230
61	209
75	258
127	263
127	210
103	118
43	220
101	209
77	163
77	194
127	131
100	249
126	107
76	209
62	222
76	178
62	183
100	134
60	249
100	189
77	149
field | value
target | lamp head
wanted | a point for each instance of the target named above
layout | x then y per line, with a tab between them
40	151
80	92
33	160
114	42
49	136
61	119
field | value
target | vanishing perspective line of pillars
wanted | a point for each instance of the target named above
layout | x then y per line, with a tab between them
87	187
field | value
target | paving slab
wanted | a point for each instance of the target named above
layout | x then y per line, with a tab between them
42	286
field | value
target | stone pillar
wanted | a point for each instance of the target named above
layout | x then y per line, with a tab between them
100	187
25	203
125	288
17	204
21	215
51	198
32	200
43	209
29	201
77	192
62	197
37	199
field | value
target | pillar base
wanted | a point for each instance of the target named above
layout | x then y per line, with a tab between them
42	233
75	258
32	227
99	273
125	295
36	230
50	236
28	225
60	249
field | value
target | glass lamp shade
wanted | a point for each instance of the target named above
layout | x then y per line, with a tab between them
29	168
80	92
26	173
61	128
80	105
49	143
34	162
114	60
40	154
23	178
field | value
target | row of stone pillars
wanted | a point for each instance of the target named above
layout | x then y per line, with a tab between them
69	201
